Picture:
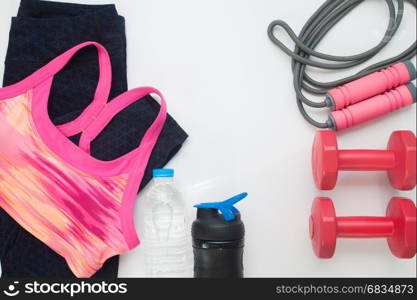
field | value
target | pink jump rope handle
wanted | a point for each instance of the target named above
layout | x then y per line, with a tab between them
370	85
374	107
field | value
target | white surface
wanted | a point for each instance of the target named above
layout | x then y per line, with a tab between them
231	89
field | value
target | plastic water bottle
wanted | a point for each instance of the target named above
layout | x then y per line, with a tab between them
165	238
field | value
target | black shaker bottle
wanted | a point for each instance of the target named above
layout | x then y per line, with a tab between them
218	240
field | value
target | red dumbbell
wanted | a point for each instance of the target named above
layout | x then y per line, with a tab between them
399	227
399	160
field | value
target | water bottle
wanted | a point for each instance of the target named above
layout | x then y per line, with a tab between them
165	237
218	240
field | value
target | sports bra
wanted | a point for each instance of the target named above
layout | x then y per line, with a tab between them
79	206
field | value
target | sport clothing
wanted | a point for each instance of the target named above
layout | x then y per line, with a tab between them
41	31
80	206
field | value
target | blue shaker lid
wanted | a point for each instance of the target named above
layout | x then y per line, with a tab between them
226	207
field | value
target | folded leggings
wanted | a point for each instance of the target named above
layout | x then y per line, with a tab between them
41	31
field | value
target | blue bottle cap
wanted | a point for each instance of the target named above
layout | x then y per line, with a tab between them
163	172
226	207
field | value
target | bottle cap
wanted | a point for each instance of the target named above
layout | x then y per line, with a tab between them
226	207
163	173
219	221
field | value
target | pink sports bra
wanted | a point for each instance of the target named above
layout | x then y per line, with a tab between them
79	206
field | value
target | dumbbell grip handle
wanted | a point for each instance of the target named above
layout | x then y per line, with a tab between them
366	160
364	227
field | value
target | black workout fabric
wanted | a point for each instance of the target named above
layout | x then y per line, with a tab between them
41	31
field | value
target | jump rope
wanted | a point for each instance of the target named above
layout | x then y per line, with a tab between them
372	92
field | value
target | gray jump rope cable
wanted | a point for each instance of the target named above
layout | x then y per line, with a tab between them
313	31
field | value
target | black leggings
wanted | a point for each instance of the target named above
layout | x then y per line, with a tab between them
41	31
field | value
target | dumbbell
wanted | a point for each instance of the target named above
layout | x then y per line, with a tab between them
399	227
399	160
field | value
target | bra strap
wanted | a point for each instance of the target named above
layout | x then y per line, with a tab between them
113	108
57	64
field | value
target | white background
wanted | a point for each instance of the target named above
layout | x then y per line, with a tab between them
231	90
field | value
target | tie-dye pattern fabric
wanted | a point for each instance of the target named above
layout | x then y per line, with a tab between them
79	206
39	190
